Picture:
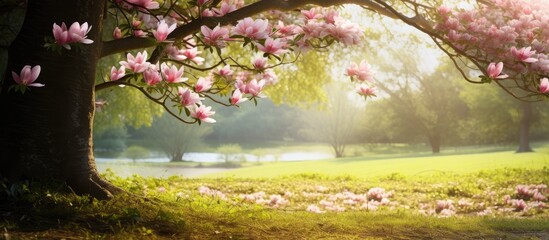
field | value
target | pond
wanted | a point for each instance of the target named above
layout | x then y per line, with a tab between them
216	157
124	167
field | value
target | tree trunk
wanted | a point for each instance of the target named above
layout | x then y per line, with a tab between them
524	132
177	156
45	133
434	141
338	153
339	149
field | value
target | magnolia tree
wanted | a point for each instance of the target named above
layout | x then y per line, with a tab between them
506	39
180	53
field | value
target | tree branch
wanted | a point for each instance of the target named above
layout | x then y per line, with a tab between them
131	43
106	85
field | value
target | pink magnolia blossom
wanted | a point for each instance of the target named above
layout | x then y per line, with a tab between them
225	72
444	10
163	30
192	55
137	64
117	33
283	30
216	36
314	208
240	85
268	75
61	35
276	201
444	204
152	76
224	9
544	85
152	21
208	13
139	33
76	33
188	97
312	14
243	76
303	45
259	63
237	98
524	54
173	52
27	76
273	46
313	29
538	196
519	204
117	73
172	74
253	29
330	15
203	84
494	71
203	190
136	23
366	90
254	87
148	4
345	31
202	113
363	71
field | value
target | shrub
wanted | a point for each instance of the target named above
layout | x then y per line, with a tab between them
136	152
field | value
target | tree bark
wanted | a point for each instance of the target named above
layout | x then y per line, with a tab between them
524	131
46	133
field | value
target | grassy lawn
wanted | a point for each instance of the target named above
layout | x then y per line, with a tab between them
493	195
304	206
410	165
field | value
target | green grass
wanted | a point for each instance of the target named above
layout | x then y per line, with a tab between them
174	208
367	167
177	208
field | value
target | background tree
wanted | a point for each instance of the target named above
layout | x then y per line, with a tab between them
174	138
230	152
109	142
136	152
431	110
526	119
251	125
335	123
424	101
492	116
